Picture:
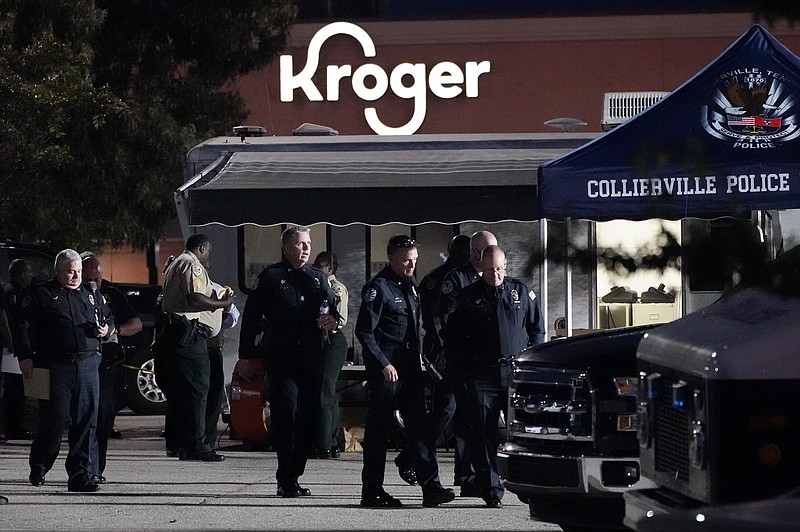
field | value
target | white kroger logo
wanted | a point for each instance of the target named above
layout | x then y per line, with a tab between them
445	79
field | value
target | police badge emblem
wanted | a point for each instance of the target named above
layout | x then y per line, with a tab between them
370	295
514	296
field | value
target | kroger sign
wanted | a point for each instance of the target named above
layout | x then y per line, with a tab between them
445	80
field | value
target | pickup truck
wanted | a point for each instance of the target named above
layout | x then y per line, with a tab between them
141	392
572	448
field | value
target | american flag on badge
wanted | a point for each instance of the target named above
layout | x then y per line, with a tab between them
755	121
741	120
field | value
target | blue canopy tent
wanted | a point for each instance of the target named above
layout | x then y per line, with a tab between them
725	143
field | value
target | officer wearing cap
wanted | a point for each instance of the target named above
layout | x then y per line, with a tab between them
493	319
282	323
62	329
191	314
388	329
454	281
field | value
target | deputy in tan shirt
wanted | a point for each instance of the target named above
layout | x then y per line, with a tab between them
191	313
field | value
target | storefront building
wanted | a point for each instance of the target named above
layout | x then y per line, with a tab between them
469	76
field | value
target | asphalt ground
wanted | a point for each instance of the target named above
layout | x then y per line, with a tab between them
146	490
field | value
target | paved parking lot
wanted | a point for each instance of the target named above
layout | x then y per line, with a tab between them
147	490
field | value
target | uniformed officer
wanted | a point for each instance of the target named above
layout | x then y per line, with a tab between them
335	353
282	323
62	329
128	324
454	281
388	330
191	313
443	402
494	318
17	298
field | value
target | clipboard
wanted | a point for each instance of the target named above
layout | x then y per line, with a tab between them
38	386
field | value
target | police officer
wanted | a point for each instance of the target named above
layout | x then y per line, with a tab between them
191	313
17	298
454	281
128	324
282	323
388	330
494	318
62	329
443	404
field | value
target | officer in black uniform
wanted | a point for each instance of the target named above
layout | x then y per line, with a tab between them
443	404
494	319
128	324
64	325
388	330
17	298
282	323
454	281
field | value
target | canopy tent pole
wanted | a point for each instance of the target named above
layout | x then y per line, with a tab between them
568	276
544	298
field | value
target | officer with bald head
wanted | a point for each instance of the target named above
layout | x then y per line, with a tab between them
494	319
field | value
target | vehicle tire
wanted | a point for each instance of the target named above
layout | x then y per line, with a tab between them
142	394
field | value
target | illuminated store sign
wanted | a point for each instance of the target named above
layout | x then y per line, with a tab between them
370	82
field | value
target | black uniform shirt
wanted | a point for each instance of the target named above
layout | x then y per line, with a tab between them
388	319
284	305
490	323
18	298
430	303
62	322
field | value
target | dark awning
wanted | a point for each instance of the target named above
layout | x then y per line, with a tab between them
373	180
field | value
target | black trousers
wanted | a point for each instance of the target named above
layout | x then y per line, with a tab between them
295	380
106	413
407	395
13	405
74	391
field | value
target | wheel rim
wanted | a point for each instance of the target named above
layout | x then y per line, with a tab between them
146	383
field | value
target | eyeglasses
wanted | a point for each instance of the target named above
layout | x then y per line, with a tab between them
495	271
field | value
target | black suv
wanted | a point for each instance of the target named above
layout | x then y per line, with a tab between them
141	393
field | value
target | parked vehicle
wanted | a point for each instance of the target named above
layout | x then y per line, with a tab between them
571	449
719	420
141	392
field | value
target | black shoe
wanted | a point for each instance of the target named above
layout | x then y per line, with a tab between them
406	472
384	500
335	452
174	453
36	480
86	486
208	456
438	496
494	503
98	479
21	435
115	434
289	492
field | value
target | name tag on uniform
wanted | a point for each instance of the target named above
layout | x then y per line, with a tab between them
398	300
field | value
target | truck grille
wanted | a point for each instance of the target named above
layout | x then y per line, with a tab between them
550	404
671	435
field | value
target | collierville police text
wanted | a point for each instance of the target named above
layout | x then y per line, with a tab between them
687	186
